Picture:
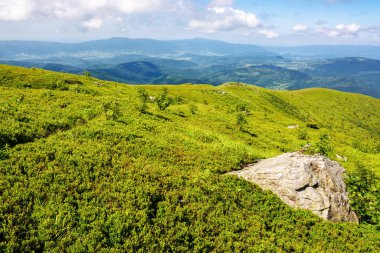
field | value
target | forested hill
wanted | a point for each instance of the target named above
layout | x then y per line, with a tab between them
89	165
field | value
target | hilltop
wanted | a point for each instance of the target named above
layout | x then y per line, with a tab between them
92	165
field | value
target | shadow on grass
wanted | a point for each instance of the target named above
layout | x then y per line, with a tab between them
249	133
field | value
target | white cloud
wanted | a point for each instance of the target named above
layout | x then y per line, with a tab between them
222	2
352	28
85	15
137	6
340	30
268	33
225	19
16	10
299	28
61	9
94	23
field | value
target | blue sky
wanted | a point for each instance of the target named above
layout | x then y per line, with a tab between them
265	22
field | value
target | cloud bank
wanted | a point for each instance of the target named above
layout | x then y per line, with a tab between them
221	2
221	17
341	30
299	28
94	23
225	19
16	10
216	18
20	10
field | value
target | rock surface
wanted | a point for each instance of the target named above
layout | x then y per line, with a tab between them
304	181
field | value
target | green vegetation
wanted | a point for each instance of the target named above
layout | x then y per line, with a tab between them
323	146
365	194
163	101
90	165
144	98
87	74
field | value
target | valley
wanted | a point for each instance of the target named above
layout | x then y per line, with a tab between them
200	61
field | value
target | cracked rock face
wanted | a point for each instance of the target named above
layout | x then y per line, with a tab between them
304	181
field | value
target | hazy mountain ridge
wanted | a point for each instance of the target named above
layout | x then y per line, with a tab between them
313	52
12	49
205	61
28	49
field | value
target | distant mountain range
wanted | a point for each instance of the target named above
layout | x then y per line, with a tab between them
115	46
143	61
328	51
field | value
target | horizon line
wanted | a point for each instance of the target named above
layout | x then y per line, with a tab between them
186	39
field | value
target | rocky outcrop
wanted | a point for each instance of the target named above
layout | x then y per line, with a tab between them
304	181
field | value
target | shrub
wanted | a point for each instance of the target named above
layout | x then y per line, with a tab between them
312	125
4	152
178	100
243	109
111	110
60	85
364	190
144	98
163	101
323	146
302	135
193	108
241	120
142	107
87	74
143	95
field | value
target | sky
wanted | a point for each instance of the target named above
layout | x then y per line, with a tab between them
262	22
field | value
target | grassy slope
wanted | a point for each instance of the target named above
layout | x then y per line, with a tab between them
71	178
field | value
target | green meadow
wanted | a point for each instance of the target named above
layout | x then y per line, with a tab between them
89	165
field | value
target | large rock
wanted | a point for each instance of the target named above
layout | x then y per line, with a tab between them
304	181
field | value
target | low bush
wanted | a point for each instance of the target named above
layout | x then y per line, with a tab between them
163	101
323	146
364	189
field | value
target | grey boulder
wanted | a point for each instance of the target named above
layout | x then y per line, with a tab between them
311	182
